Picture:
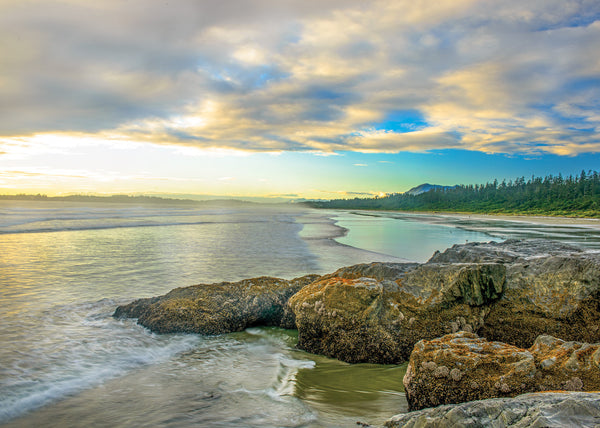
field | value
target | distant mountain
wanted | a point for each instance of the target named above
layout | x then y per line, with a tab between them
426	187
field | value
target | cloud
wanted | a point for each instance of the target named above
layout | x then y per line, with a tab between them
29	174
257	75
283	195
345	193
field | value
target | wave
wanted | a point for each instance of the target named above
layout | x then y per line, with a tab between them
98	350
58	225
96	227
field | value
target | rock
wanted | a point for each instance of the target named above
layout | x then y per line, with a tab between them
361	319
551	288
507	251
549	409
463	367
350	319
378	321
218	308
565	365
510	292
557	293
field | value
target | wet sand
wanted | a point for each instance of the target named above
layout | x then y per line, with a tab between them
554	221
582	232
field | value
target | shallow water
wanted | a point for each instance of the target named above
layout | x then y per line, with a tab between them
64	361
404	238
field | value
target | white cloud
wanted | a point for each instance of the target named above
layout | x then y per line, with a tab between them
257	75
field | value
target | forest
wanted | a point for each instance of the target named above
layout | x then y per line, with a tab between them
555	195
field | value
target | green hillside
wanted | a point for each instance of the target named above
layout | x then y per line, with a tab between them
573	196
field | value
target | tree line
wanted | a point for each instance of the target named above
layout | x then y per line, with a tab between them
576	196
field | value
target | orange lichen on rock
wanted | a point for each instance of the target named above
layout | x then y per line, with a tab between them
464	367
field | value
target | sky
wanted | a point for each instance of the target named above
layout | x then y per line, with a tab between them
294	99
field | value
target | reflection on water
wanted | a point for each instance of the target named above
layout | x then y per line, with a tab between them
410	240
417	236
368	391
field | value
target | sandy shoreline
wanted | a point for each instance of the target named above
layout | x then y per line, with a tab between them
555	221
593	223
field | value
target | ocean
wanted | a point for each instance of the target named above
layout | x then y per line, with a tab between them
65	267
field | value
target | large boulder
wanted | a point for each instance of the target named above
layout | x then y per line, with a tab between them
218	308
378	320
463	367
551	288
549	409
354	320
558	295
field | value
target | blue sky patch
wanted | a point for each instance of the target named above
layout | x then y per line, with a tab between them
402	121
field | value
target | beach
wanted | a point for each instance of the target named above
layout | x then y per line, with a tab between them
66	267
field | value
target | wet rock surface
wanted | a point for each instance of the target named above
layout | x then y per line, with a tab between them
218	308
549	409
463	367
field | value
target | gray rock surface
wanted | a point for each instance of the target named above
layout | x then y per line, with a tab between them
535	410
550	288
359	319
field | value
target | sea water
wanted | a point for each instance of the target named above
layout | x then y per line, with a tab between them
65	361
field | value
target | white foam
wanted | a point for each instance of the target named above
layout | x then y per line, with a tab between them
83	361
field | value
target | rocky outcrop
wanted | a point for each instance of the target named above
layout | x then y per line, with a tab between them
555	295
549	409
551	288
363	319
354	320
218	308
511	292
463	367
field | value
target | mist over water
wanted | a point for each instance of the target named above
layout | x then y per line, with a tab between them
64	361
